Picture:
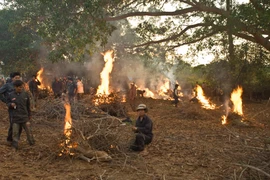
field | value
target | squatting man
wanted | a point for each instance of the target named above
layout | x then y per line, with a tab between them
143	129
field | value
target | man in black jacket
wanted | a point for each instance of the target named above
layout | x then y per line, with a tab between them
5	91
33	87
57	88
143	129
19	104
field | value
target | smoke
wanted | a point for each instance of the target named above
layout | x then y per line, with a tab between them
127	68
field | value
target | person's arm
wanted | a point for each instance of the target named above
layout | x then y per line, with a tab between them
146	129
10	104
3	90
28	107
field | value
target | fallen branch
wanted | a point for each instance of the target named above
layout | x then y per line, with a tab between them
252	167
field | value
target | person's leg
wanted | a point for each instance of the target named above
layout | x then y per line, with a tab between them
139	142
30	137
15	134
9	137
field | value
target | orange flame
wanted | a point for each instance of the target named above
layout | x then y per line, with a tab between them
237	104
164	88
40	78
105	74
237	101
67	145
224	120
204	101
124	98
68	121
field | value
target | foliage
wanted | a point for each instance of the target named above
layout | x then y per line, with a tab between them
18	49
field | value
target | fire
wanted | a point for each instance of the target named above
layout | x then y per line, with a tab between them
124	98
164	88
237	104
68	121
237	101
224	120
204	101
40	78
67	145
149	93
105	74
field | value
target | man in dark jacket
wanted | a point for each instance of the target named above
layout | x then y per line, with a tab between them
19	104
143	129
71	90
33	87
57	88
5	91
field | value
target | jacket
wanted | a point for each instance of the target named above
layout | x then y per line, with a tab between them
21	113
5	91
145	126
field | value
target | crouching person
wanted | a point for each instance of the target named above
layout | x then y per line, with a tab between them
19	105
142	129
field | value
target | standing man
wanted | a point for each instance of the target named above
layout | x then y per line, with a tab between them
5	91
57	88
175	95
132	95
19	104
80	89
33	87
71	90
142	129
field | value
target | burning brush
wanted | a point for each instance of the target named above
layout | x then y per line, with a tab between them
74	148
67	145
233	109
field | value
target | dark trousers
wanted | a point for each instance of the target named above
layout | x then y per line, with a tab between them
17	133
140	141
9	137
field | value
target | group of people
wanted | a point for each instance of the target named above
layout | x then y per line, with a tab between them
17	99
73	89
21	97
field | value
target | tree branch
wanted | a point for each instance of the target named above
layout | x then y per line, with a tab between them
132	14
173	36
196	40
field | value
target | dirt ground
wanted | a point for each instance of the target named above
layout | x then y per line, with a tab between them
189	143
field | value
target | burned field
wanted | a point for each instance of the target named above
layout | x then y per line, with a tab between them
190	142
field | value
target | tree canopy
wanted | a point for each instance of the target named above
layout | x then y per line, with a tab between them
69	25
19	47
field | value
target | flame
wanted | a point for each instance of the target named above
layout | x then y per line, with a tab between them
67	145
204	101
124	98
149	93
105	74
224	120
237	101
237	104
164	88
68	121
40	78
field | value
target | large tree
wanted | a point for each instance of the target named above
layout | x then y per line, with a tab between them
69	25
19	46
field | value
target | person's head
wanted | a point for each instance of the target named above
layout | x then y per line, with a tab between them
141	109
79	79
34	77
15	76
18	85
